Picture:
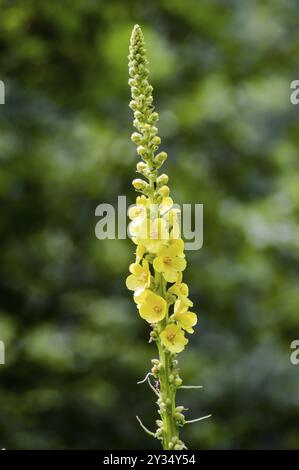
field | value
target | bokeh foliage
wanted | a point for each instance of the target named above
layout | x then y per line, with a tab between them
75	346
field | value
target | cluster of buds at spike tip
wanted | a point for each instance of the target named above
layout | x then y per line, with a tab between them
161	296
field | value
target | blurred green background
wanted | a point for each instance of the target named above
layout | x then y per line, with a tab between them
75	346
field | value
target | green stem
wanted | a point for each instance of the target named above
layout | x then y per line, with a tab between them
167	387
170	428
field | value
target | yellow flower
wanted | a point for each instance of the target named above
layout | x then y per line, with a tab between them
137	226
153	234
174	216
185	319
139	210
180	245
140	250
169	262
139	296
165	205
152	307
173	338
181	290
140	277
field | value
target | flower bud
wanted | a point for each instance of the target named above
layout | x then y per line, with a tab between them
136	137
153	335
158	198
162	406
156	140
155	361
162	180
164	191
132	82
149	100
139	184
160	159
133	105
178	381
134	92
180	418
141	167
141	150
179	409
153	118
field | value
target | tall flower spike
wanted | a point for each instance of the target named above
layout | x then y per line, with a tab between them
156	276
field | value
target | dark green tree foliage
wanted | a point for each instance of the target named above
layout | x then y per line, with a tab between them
75	347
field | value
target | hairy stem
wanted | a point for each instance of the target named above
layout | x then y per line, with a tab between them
167	387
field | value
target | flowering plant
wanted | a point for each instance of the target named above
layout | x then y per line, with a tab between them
161	296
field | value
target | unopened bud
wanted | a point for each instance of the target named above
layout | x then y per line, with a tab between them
133	105
141	167
162	406
156	140
162	180
160	159
179	417
141	150
179	409
132	82
139	184
136	137
164	191
178	381
153	118
153	334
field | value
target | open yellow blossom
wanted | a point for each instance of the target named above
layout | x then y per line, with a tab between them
173	338
180	245
140	277
153	234
181	290
139	296
152	308
185	319
169	263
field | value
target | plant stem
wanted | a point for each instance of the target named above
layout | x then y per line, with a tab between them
168	397
167	387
